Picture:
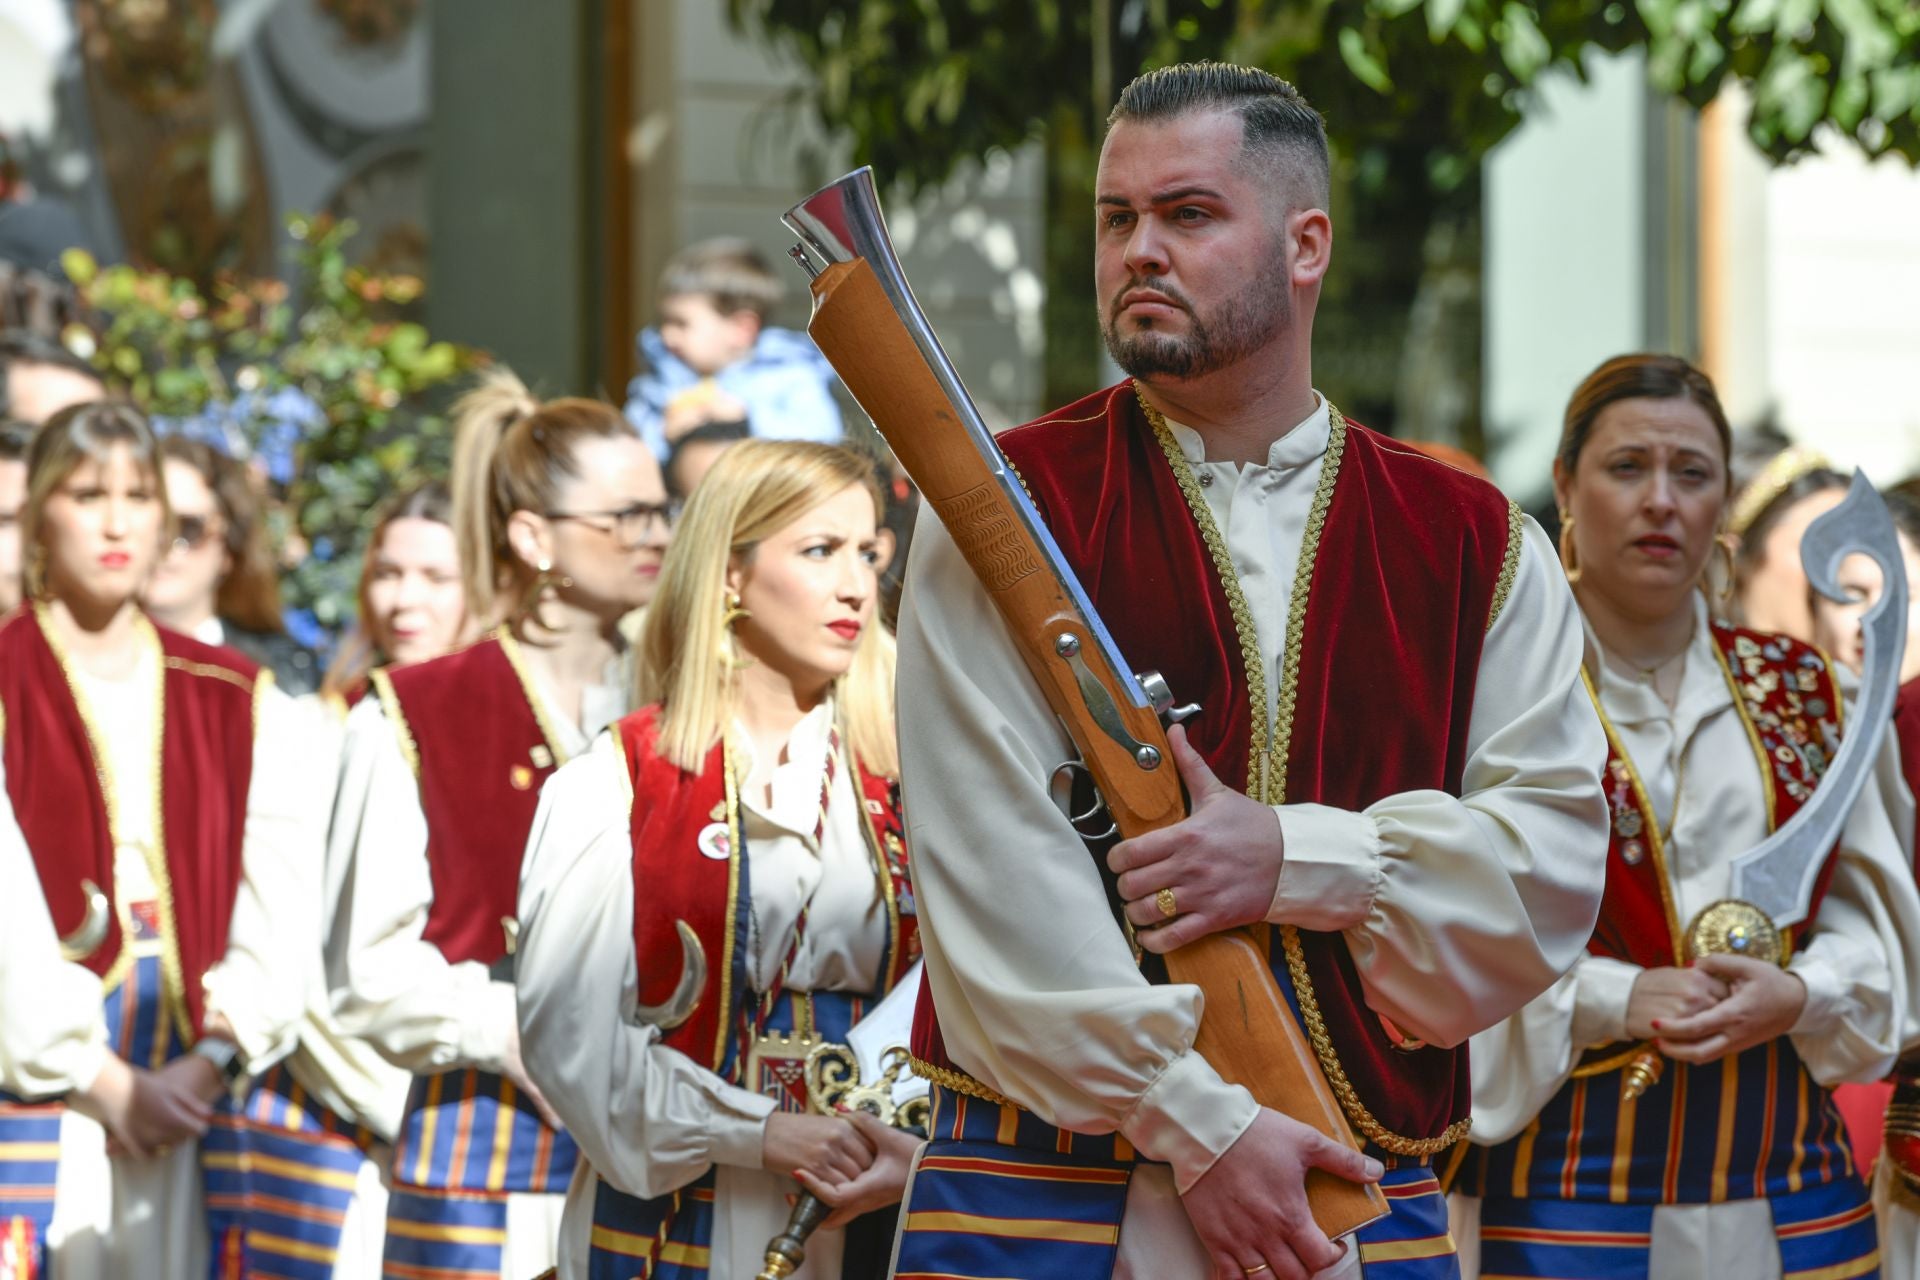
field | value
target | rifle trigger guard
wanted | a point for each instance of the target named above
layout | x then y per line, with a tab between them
1100	704
1062	793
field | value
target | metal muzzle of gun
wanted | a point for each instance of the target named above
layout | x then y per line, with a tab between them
842	224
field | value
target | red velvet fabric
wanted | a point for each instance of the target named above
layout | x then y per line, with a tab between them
1787	695
684	857
1410	555
1906	727
482	759
206	769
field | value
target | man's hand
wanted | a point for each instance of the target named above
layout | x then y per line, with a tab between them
884	1181
1222	861
1250	1209
1660	996
1765	1003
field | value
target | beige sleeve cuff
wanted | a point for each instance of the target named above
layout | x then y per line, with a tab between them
1332	870
1188	1117
485	1036
1601	991
739	1131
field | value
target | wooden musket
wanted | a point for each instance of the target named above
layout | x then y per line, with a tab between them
866	321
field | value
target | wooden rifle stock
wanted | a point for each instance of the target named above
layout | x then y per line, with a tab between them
1247	1031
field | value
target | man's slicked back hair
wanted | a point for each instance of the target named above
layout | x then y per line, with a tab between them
1281	128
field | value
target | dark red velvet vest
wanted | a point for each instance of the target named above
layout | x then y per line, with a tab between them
468	727
1411	556
206	767
688	856
1906	728
1785	693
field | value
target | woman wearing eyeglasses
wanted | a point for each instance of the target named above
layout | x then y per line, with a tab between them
169	894
563	523
750	808
217	581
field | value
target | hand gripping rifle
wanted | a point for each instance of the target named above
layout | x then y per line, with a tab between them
871	329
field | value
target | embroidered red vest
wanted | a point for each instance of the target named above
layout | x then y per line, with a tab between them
54	776
688	854
1411	557
1785	693
468	726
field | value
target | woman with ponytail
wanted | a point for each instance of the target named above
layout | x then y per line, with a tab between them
563	523
721	882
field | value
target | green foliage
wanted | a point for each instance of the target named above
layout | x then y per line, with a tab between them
372	380
921	85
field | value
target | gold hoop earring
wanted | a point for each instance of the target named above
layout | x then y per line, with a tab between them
1569	558
544	577
733	611
1720	598
34	577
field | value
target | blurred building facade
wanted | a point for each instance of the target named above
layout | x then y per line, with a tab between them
1617	220
538	163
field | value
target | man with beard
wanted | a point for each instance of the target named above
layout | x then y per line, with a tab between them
1423	847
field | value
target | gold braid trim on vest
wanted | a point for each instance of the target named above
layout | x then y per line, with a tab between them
1267	764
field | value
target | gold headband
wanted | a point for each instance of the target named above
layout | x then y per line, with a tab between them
1774	479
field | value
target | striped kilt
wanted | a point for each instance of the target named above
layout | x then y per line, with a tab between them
467	1142
1573	1196
288	1170
29	1161
1001	1195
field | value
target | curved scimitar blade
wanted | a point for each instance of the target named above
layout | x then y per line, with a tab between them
92	931
686	995
1778	874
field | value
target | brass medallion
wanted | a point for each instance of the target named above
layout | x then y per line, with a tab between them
1733	927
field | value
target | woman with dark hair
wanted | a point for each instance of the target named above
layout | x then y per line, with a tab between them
562	522
217	581
1665	1109
413	602
328	1116
173	872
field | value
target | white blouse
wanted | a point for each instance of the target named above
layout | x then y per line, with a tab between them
648	1118
1697	764
53	1038
389	985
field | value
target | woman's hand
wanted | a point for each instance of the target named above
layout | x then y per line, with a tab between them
825	1146
514	1068
884	1181
1765	1003
1662	995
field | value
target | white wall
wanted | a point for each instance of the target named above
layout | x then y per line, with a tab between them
1842	320
1565	260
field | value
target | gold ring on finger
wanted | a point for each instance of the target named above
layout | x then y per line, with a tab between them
1254	1271
1164	900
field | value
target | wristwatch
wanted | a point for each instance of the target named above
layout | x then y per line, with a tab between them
225	1057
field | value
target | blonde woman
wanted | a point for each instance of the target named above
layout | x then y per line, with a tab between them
171	884
739	834
563	523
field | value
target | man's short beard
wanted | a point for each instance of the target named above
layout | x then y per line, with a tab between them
1242	325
